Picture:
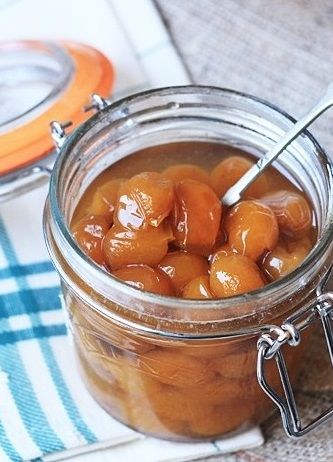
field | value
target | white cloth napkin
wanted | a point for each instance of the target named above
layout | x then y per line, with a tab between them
45	411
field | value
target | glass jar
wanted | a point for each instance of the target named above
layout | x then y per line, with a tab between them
169	367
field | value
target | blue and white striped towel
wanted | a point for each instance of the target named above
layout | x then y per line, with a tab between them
45	412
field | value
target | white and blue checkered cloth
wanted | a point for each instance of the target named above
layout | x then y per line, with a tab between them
45	412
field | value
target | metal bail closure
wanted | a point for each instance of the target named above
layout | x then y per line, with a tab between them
98	103
58	132
269	347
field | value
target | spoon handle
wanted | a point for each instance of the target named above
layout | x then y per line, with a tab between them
233	195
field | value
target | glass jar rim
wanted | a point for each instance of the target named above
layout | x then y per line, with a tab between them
162	300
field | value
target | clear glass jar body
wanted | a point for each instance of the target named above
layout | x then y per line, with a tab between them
174	368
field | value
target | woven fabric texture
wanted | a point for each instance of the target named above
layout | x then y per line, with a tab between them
279	51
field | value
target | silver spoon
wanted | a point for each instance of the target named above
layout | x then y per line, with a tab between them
233	195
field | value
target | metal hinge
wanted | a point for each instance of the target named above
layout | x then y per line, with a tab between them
58	129
58	132
97	103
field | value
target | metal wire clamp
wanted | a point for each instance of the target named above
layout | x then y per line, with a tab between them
269	347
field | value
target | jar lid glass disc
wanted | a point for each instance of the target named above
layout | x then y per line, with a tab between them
41	82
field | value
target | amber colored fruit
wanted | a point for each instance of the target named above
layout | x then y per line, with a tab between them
146	278
206	409
236	366
285	258
89	233
252	228
230	170
292	211
149	406
216	421
224	251
110	367
198	288
143	247
177	370
144	199
196	217
182	267
181	172
104	199
234	275
220	242
106	391
163	401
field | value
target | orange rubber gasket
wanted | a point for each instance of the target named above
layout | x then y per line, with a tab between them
93	73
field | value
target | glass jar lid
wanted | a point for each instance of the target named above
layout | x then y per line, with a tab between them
41	82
